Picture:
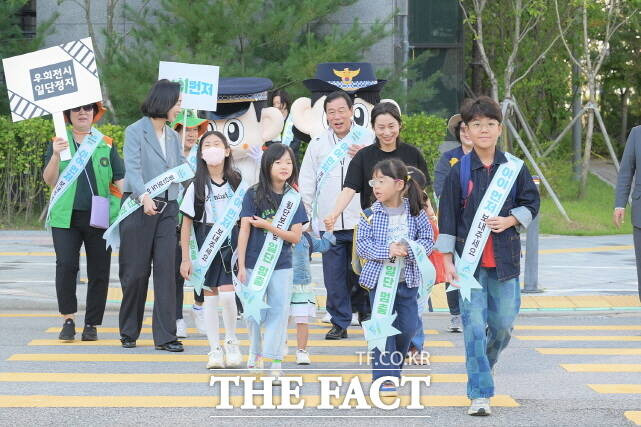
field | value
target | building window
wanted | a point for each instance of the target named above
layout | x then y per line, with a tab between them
436	26
27	15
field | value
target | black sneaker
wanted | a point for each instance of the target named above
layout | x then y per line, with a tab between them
127	342
89	333
364	317
336	333
173	346
68	332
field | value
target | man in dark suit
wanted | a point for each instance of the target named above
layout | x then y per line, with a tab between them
630	163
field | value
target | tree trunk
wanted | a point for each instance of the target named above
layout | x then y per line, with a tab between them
624	118
477	70
587	150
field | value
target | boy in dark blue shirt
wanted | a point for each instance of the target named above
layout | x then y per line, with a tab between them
488	309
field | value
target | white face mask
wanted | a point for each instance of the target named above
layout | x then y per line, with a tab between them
213	156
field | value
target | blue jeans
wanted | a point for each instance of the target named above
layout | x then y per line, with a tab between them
488	321
390	363
273	319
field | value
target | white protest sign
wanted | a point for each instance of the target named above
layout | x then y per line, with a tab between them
52	80
198	83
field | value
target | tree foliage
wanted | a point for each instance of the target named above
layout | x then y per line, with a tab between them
278	39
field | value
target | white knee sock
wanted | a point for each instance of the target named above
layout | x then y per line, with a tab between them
228	302
210	308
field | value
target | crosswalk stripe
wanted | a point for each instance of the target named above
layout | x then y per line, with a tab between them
578	327
29	315
352	331
578	337
616	388
68	377
166	357
634	416
602	367
48	401
201	343
592	351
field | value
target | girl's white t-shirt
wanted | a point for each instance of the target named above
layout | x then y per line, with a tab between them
397	229
216	198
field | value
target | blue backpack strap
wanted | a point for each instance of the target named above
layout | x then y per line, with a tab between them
465	175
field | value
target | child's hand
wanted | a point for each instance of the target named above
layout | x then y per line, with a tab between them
258	222
501	223
329	221
397	249
242	275
185	269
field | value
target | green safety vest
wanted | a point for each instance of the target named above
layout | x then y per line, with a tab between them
100	159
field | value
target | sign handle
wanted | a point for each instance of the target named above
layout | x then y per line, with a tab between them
61	132
184	132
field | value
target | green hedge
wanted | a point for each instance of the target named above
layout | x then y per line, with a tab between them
427	133
23	193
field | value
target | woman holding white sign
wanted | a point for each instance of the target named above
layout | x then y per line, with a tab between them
83	190
155	165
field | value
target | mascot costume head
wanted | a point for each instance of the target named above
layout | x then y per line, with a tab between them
355	78
242	115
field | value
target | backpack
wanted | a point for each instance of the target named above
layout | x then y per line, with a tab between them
465	177
358	262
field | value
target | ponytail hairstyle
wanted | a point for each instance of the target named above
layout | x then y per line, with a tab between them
419	178
263	194
202	179
396	169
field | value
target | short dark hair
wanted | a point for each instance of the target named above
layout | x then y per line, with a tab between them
161	97
483	106
283	95
386	108
336	95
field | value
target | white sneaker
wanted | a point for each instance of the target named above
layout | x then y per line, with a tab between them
216	359
326	318
181	328
276	375
233	358
355	319
480	407
302	357
455	324
276	372
254	362
199	319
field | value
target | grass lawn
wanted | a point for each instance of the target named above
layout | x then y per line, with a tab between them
591	216
21	222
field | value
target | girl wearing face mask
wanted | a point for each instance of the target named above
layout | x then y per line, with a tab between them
205	201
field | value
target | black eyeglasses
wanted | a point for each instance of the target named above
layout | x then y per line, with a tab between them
88	107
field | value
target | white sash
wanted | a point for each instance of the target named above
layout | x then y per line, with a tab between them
252	294
154	187
356	136
219	232
75	167
491	204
